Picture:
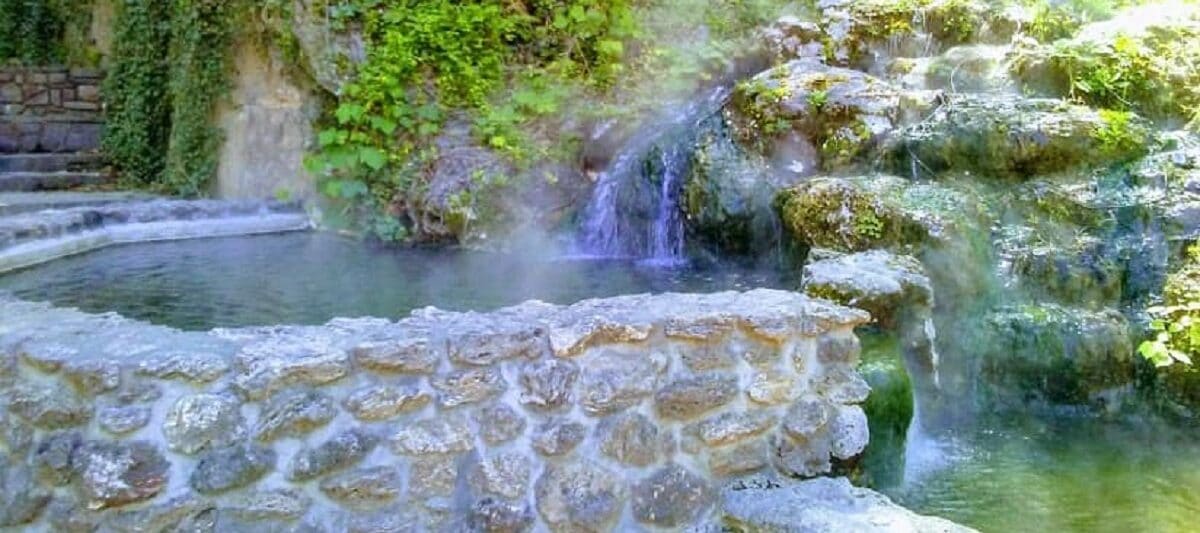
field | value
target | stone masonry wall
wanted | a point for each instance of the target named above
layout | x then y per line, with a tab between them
622	413
50	109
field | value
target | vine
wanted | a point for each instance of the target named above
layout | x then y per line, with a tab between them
138	122
46	31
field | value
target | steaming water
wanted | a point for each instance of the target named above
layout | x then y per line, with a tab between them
309	278
659	152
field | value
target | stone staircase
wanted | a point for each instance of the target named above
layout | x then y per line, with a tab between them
30	172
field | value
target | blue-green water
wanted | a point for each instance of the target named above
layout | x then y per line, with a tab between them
309	278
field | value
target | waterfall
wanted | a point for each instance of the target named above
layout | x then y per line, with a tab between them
634	210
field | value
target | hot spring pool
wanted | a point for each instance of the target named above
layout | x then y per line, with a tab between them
309	278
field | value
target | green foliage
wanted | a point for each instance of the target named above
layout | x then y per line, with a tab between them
1176	324
1121	135
168	72
44	31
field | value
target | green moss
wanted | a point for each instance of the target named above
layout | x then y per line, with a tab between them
836	214
890	409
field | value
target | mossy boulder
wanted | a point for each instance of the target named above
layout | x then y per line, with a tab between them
969	68
838	214
879	282
1144	59
1007	136
1054	354
808	116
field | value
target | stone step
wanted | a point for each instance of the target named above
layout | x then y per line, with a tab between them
49	181
15	203
51	162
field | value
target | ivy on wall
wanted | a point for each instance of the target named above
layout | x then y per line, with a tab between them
46	31
169	71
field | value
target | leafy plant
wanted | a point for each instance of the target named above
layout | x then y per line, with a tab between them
1176	323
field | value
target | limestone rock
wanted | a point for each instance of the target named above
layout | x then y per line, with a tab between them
848	431
579	496
504	475
734	426
433	475
411	355
494	516
276	504
199	422
806	418
196	368
469	386
184	513
382	402
293	414
231	468
266	366
688	397
671	497
743	457
499	423
21	499
548	383
53	455
343	450
93	377
614	382
558	437
629	438
48	407
123	420
115	474
486	342
877	281
365	486
443	435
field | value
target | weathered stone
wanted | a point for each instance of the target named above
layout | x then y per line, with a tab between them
614	382
842	384
732	427
267	366
93	377
772	388
277	504
15	434
231	468
382	402
199	422
805	418
442	435
433	475
48	407
558	437
184	513
294	414
838	349
630	438
579	496
504	475
344	450
740	458
114	474
692	396
877	281
400	356
848	431
53	456
801	459
483	346
122	420
671	497
548	383
21	499
705	357
499	423
192	367
822	504
493	516
469	386
65	515
136	392
365	486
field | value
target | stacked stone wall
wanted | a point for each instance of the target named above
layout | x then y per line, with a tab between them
50	109
622	413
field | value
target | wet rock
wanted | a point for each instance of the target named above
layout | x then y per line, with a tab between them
614	382
504	475
494	516
877	281
231	468
200	422
191	367
399	356
93	377
629	438
848	431
732	427
822	504
277	504
548	383
579	496
443	435
671	497
344	450
806	418
123	420
1008	136
688	397
266	366
48	407
53	456
21	499
365	486
469	386
294	414
971	68
111	474
839	214
499	423
558	437
789	37
382	402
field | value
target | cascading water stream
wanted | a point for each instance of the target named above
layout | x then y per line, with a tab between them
651	166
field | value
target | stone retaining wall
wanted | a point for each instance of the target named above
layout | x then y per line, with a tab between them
50	109
622	413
